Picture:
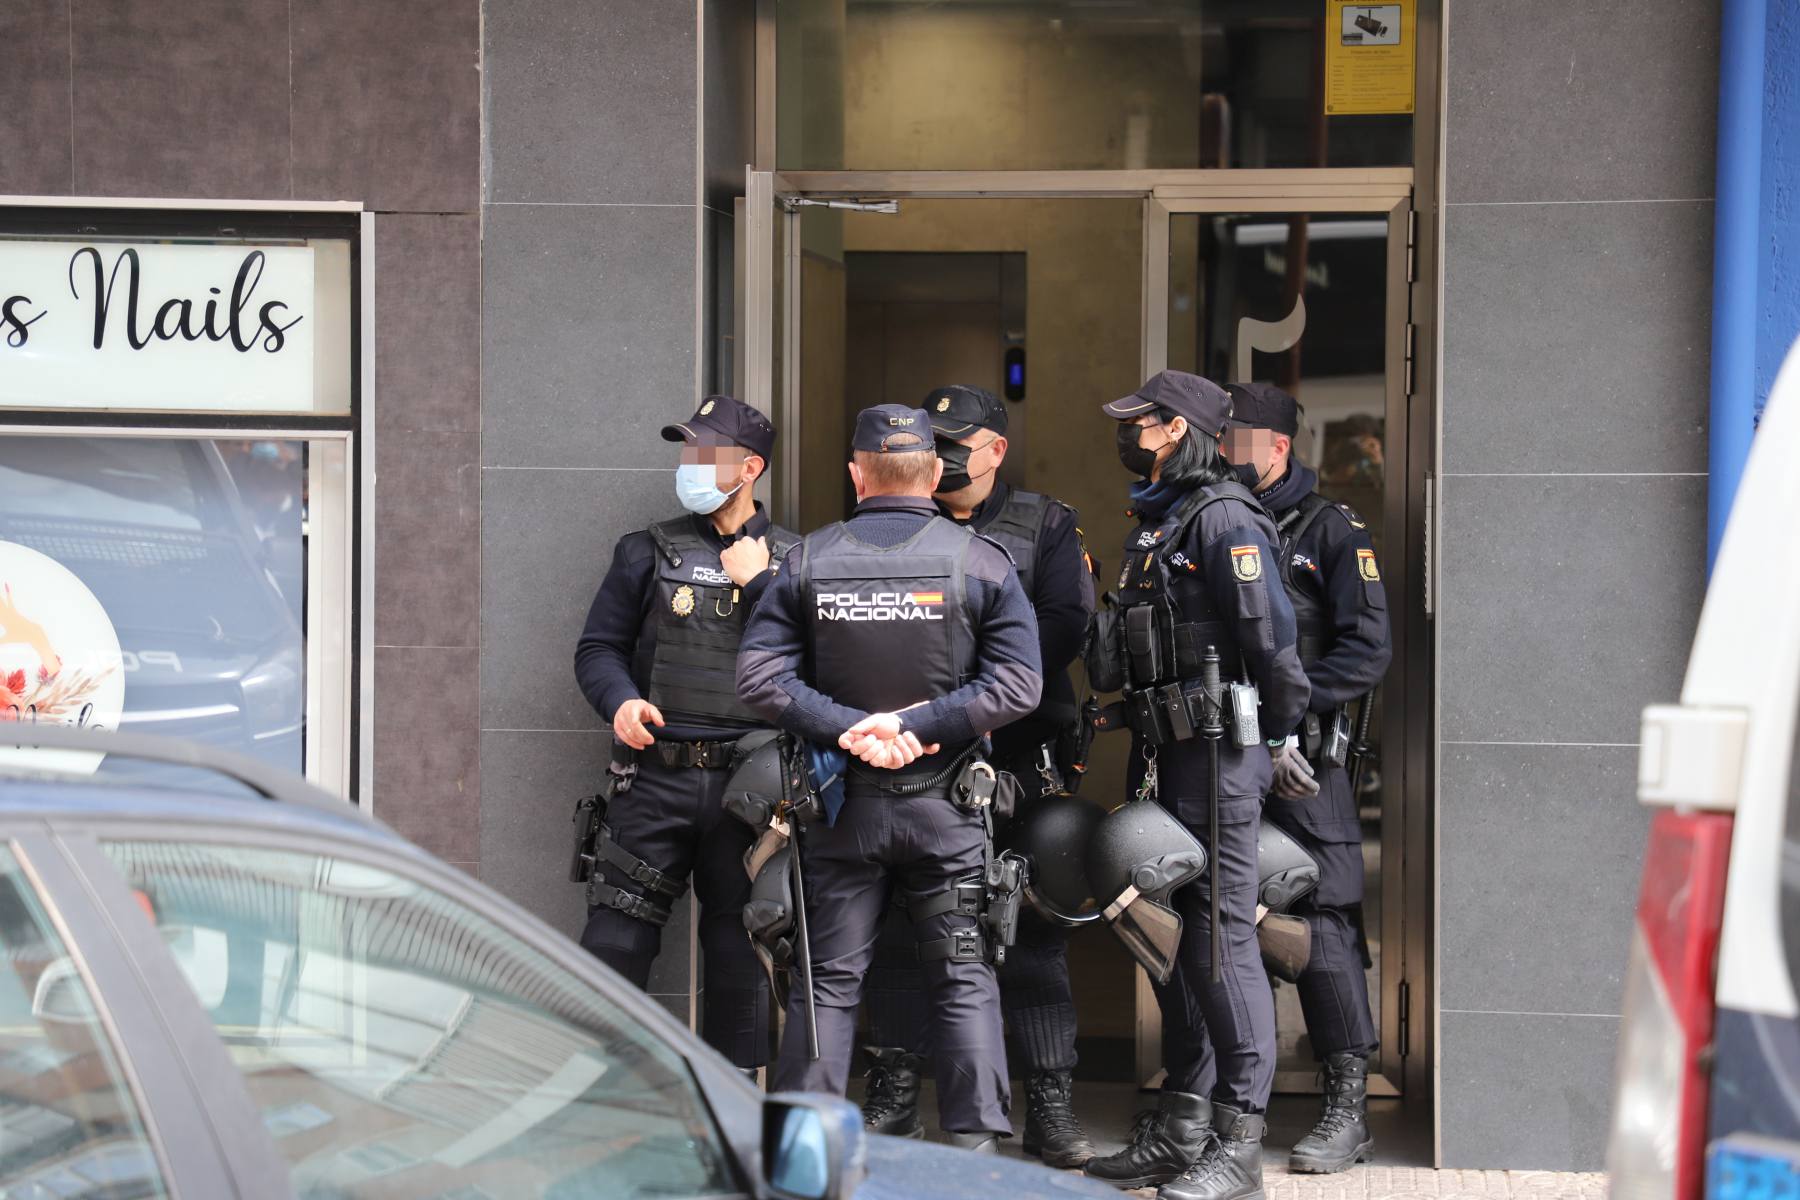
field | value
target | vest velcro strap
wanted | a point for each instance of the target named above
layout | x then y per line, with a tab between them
963	945
636	869
965	897
605	895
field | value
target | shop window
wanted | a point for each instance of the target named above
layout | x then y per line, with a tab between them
179	408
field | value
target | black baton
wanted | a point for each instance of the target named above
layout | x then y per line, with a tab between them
1359	745
1213	730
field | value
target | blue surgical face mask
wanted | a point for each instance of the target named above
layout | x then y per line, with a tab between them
697	487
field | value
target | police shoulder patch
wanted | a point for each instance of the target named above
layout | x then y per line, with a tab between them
1246	563
1365	565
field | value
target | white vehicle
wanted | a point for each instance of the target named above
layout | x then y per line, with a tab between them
1707	1099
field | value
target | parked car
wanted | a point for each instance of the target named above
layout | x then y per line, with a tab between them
1707	1098
268	995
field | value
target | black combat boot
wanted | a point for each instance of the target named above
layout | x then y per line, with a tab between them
979	1141
1231	1166
1165	1141
1051	1130
1341	1138
891	1104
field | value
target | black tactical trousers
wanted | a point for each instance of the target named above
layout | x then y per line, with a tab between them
1333	989
918	846
1218	1038
1035	994
674	819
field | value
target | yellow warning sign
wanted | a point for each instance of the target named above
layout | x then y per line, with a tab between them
1369	52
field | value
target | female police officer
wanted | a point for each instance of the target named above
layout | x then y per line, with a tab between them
1198	581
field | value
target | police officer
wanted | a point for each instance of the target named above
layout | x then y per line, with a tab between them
1197	585
900	638
969	428
658	659
1328	566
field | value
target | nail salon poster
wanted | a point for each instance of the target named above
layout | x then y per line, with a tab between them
60	662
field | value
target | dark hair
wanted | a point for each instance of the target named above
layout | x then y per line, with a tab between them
1195	460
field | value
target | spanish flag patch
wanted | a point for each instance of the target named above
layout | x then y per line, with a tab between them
1365	566
1246	563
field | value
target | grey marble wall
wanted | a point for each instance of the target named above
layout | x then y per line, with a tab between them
319	100
590	327
1577	254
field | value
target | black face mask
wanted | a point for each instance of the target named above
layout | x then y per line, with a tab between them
956	475
1248	475
1137	460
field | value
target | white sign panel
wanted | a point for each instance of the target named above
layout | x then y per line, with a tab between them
156	326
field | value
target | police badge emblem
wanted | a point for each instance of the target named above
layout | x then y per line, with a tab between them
1246	563
943	404
706	408
1365	566
682	602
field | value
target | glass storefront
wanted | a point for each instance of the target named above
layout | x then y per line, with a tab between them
177	457
991	85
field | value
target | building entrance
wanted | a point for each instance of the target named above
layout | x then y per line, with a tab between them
1061	290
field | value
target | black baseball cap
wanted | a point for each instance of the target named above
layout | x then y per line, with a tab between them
724	420
892	429
1263	406
960	409
1205	404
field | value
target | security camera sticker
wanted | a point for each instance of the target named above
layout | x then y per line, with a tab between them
1371	25
59	656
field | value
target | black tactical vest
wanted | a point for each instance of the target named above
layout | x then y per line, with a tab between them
1019	526
888	627
1310	615
1168	642
695	621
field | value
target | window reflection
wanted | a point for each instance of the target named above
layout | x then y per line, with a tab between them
401	1045
1064	84
68	1125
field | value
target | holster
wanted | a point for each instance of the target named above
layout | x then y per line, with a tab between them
1150	641
1175	712
590	812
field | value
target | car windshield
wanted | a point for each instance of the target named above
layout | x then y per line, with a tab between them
401	1044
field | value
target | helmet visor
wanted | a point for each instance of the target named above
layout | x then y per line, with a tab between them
1151	931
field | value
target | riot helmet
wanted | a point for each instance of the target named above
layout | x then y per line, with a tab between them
1051	834
1137	857
758	780
769	918
1284	870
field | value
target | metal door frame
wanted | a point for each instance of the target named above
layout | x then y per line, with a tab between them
1407	1024
1405	893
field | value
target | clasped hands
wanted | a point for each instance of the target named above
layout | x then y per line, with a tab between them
879	741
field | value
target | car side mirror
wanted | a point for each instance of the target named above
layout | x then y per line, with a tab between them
813	1147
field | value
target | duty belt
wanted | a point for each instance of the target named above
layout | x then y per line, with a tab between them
1173	712
708	756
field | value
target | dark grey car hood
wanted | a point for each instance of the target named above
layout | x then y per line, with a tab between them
900	1169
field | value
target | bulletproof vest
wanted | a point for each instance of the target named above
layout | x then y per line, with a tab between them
1018	526
695	621
1309	614
888	626
1183	621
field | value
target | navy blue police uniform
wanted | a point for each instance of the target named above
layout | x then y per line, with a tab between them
893	608
1041	536
1201	560
1329	568
664	627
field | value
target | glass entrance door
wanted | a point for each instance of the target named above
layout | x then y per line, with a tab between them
1315	299
1090	282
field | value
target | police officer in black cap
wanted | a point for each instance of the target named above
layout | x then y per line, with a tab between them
902	639
659	660
1199	611
969	427
1327	564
